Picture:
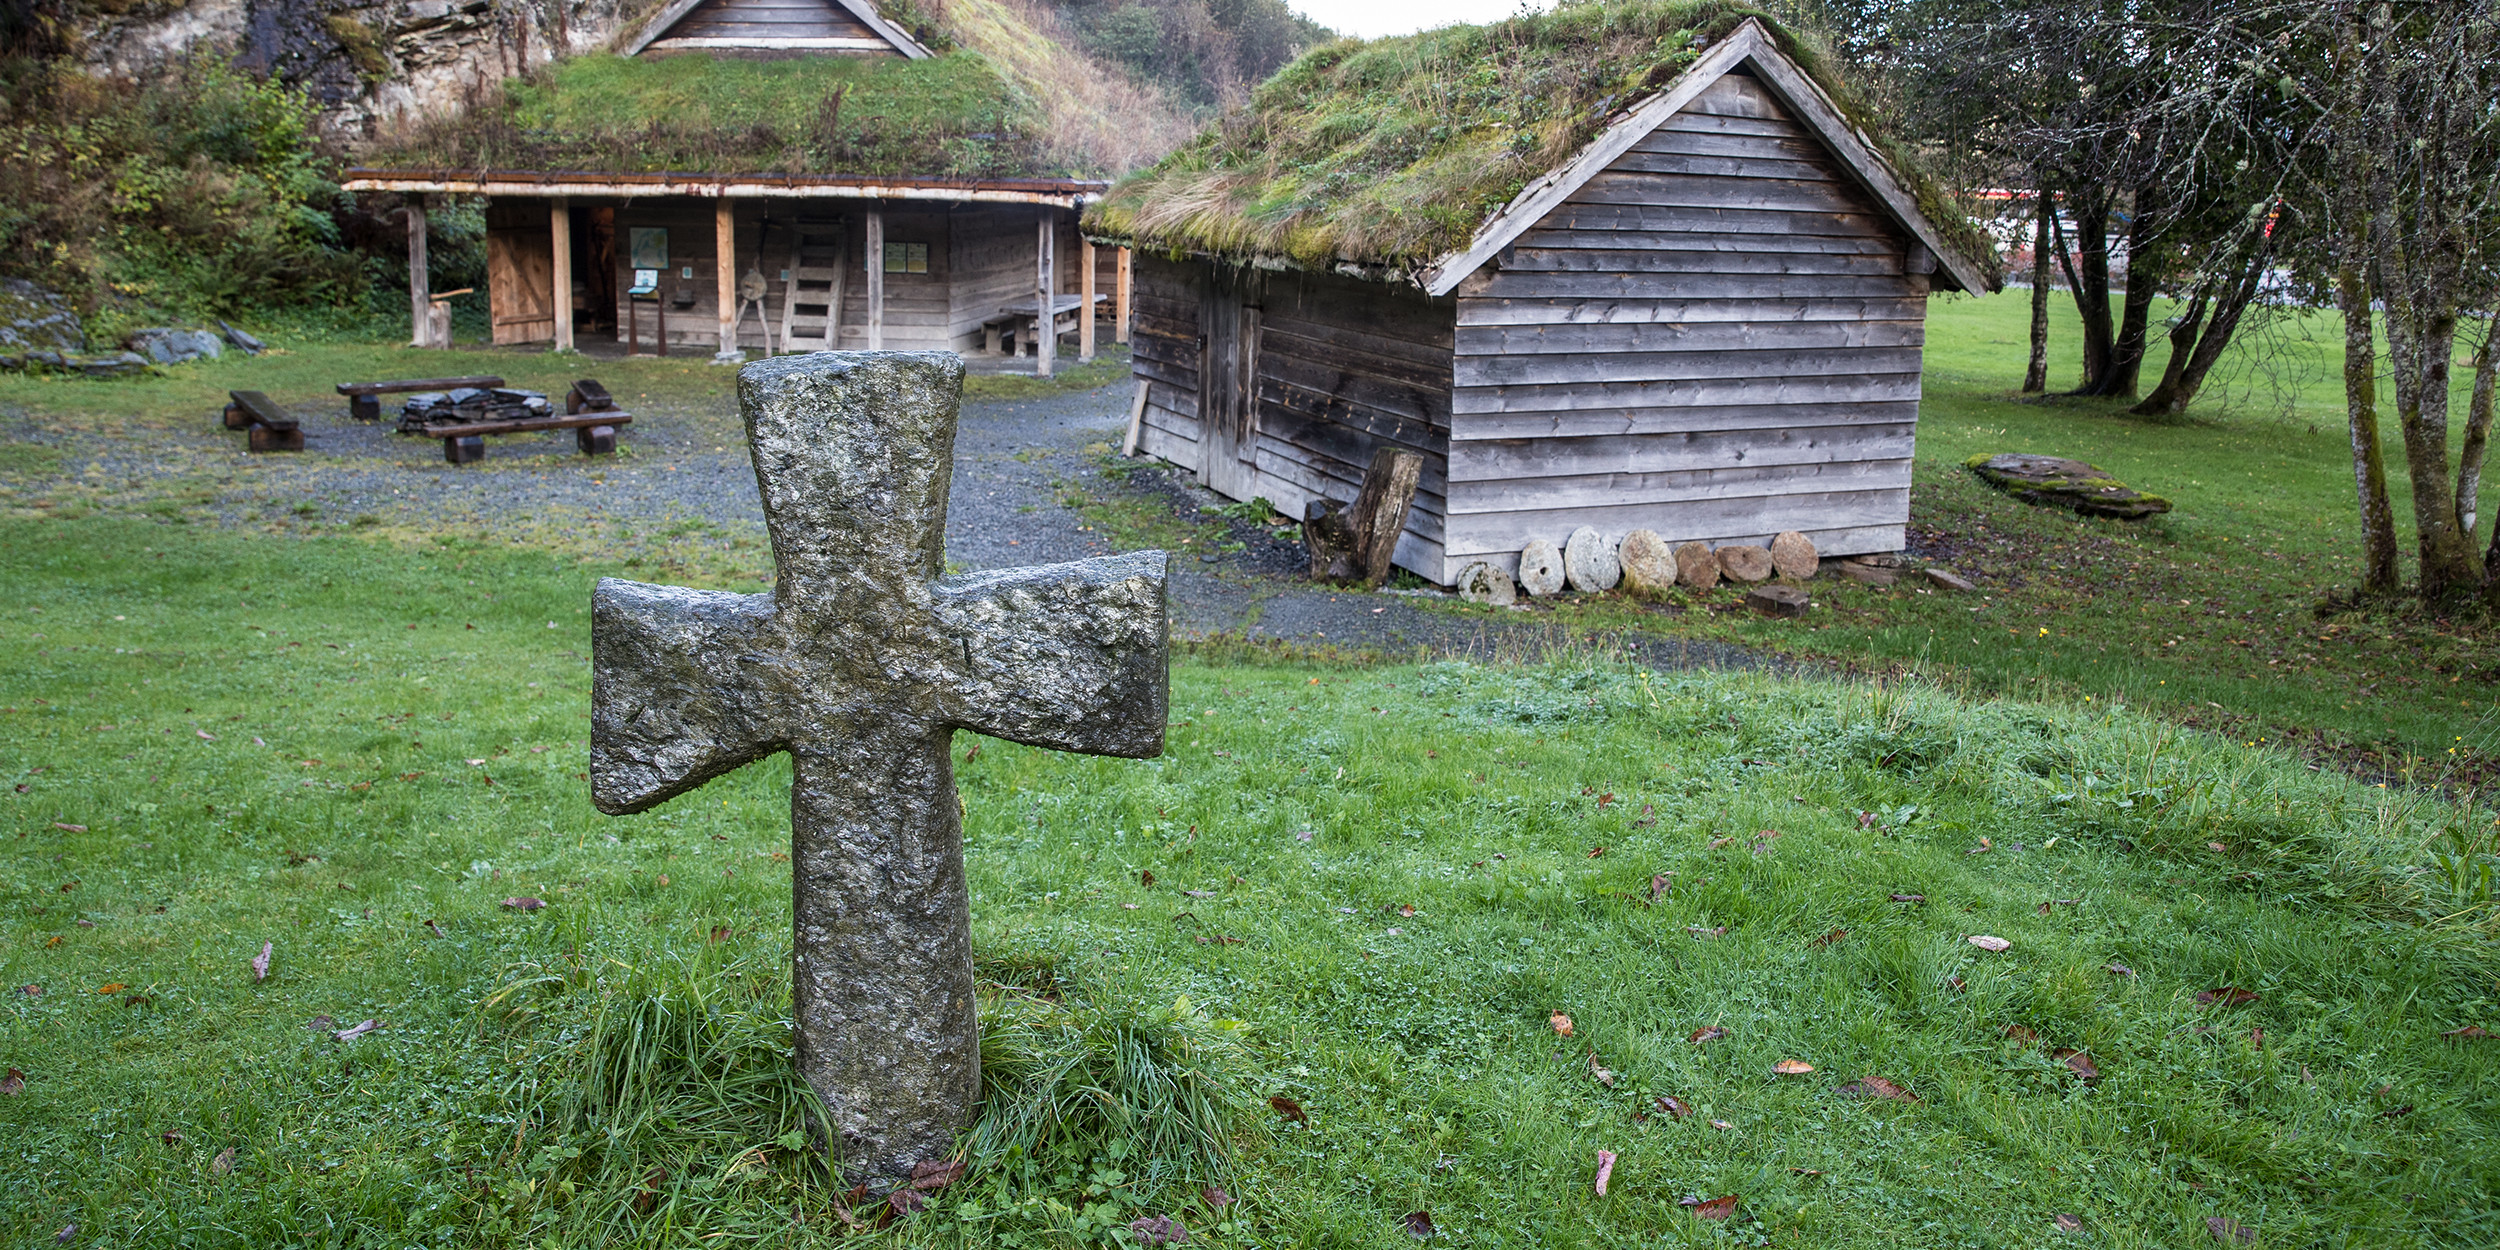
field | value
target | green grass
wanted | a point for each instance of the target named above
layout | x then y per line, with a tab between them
226	740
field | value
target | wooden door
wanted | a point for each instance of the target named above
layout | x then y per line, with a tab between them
1228	383
520	282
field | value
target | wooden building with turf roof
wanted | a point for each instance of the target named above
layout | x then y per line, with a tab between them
1628	266
764	175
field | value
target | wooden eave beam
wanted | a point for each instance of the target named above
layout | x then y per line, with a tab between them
492	184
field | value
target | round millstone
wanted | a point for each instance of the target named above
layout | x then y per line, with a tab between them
1745	563
1541	569
1793	557
1483	583
1589	562
1696	567
1648	563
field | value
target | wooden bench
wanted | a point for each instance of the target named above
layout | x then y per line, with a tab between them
271	429
593	432
1020	321
588	396
362	405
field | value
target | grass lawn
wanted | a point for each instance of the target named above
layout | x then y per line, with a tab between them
1376	893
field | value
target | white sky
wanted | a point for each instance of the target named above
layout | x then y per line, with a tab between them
1374	18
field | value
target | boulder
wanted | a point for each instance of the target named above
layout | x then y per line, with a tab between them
2056	482
167	345
1541	569
1778	599
1589	562
1744	563
1792	556
1483	583
242	338
35	321
1648	563
1696	567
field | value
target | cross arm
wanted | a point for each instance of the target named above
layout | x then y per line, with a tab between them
1069	656
683	689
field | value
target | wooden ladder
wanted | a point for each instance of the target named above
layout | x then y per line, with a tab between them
811	301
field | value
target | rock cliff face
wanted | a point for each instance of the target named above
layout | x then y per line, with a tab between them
370	66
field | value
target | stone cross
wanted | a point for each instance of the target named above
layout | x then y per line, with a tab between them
862	663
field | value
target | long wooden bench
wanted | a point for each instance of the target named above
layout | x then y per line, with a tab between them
270	428
362	404
593	432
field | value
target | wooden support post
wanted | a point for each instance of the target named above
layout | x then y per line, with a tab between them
1380	510
1085	299
560	232
1046	318
725	281
874	254
1120	291
419	315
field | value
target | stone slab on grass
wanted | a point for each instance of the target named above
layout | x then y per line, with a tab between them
2056	482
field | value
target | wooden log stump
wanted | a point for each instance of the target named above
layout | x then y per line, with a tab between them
1328	535
1380	511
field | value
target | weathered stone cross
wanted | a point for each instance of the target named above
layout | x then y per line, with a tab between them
862	665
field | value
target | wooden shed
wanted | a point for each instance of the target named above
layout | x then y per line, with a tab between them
1706	322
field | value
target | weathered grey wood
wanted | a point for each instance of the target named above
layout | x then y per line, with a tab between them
1424	364
1835	388
1085	298
1687	336
1136	420
1619	259
1692	241
1749	127
1521	459
873	253
1685	219
1379	513
1338	449
1603	367
419	284
1045	288
1482	533
1562	310
1737	95
1784	194
1607	490
1669	142
1329	538
1535	285
1353	390
1681	419
1747	165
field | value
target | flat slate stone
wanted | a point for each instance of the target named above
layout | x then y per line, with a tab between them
2056	482
1778	599
1541	568
1589	562
1648	563
1483	583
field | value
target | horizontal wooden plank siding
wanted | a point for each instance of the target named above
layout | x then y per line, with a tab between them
1715	338
769	19
1163	351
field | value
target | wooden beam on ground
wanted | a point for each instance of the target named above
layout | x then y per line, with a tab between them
1085	306
560	231
1045	289
725	280
1136	420
874	255
419	314
1380	511
1121	290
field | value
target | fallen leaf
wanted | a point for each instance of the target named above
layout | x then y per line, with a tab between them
2044	908
1987	942
663	881
1716	843
2393	1112
936	1173
1605	1075
1707	1033
1704	935
1406	909
1792	1067
319	1023
2079	1062
1909	898
903	1202
436	929
1605	1170
62	1237
1864	818
2257	1039
2470	1033
1721	1125
260	962
111	987
2229	1232
2227	996
223	1163
1418	1224
14	1083
1956	984
1828	938
1660	884
533	904
1648	817
1714	1209
975	752
1876	1087
2067	1223
2118	970
1157	1230
1561	1023
354	1031
1674	1106
2217	848
206	736
1805	1171
79	828
2021	1033
171	1137
1288	1108
1602	800
721	933
1147	877
36	991
1215	1197
1596	852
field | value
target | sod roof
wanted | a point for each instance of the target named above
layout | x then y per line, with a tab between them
1391	153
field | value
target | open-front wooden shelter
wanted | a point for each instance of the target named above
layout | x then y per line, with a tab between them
728	261
1706	322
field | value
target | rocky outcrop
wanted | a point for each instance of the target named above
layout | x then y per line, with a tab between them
370	67
33	319
2056	482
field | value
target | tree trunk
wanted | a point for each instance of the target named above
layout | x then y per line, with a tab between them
2089	281
2418	342
2194	355
2369	461
2036	377
2477	437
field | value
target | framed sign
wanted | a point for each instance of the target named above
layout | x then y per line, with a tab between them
648	246
907	258
646	281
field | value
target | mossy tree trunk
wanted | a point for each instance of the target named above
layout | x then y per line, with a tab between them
2124	363
2477	439
2036	377
2087	277
2221	297
2369	460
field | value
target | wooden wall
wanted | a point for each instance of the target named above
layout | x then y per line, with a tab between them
717	25
1342	368
1716	339
520	272
995	265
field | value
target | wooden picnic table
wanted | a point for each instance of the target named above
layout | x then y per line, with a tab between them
1019	320
362	404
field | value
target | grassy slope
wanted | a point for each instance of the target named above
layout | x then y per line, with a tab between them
1420	1044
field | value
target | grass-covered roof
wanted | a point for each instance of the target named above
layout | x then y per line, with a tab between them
1393	152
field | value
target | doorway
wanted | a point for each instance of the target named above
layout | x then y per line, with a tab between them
594	271
1228	380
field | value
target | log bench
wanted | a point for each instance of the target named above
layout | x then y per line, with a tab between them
593	432
271	429
363	405
588	396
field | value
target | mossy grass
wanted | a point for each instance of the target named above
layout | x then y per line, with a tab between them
1390	877
1392	152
